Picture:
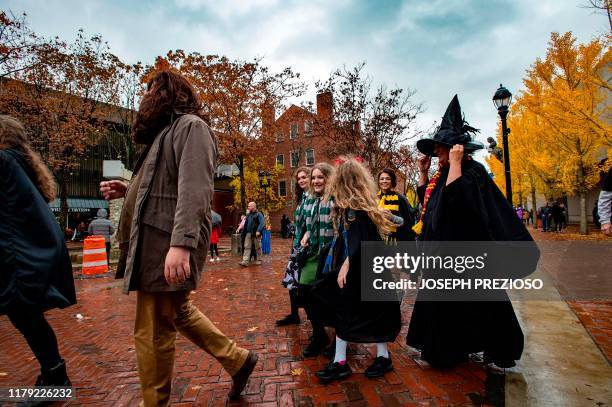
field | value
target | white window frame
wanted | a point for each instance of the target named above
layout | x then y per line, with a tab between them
279	187
313	157
292	135
307	128
297	164
282	156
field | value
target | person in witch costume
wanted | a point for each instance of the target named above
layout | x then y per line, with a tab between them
397	204
358	218
461	203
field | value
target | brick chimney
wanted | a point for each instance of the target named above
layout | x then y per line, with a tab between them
268	117
325	105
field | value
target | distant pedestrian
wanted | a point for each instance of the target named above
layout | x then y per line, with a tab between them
556	213
519	212
35	268
253	228
214	243
285	222
604	205
101	226
596	215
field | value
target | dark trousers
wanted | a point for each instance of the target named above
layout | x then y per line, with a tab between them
39	335
214	249
108	247
293	300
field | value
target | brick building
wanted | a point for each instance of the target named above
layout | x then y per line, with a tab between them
297	143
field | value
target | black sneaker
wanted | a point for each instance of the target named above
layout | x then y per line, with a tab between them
315	347
380	366
334	371
288	320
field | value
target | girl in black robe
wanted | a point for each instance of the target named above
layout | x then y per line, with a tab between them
463	205
358	219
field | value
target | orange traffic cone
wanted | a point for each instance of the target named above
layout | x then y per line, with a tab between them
94	256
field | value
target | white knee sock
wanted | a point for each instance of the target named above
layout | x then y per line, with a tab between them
340	350
381	350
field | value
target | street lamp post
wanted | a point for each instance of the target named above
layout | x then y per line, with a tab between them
264	183
502	100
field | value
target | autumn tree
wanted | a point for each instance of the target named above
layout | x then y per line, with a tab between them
65	101
371	123
561	122
20	48
253	192
237	96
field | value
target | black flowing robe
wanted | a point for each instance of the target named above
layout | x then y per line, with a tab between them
471	208
35	268
404	232
355	320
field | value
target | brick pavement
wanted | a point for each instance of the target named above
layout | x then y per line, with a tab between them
244	303
596	316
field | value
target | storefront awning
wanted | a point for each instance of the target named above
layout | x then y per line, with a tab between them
80	204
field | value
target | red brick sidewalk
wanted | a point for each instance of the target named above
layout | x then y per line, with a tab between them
244	303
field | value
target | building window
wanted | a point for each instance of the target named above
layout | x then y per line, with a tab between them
282	188
295	158
293	132
279	138
308	128
280	160
310	158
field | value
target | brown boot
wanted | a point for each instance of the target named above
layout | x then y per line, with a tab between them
241	378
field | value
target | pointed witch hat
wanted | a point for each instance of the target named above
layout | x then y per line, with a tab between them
453	130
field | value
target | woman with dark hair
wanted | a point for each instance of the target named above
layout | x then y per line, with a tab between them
461	203
397	204
36	272
165	230
291	279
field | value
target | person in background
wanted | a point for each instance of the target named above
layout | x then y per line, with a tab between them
101	226
519	212
80	231
214	241
525	217
285	222
562	217
253	228
604	204
397	204
596	215
35	268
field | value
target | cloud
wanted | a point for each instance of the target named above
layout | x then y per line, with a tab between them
438	47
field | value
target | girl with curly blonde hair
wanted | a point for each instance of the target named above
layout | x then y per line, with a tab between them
358	218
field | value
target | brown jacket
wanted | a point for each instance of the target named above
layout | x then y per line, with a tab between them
173	204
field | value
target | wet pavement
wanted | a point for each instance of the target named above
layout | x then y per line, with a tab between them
245	302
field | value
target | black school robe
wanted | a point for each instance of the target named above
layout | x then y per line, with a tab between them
354	320
471	208
395	200
35	268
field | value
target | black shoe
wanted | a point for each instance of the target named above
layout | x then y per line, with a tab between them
288	320
380	366
55	376
314	348
241	378
330	351
334	371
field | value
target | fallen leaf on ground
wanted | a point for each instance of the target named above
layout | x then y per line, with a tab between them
196	387
296	372
3	374
252	329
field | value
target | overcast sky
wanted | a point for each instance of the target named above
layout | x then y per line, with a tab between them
437	47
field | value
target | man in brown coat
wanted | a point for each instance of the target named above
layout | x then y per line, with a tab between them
165	229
